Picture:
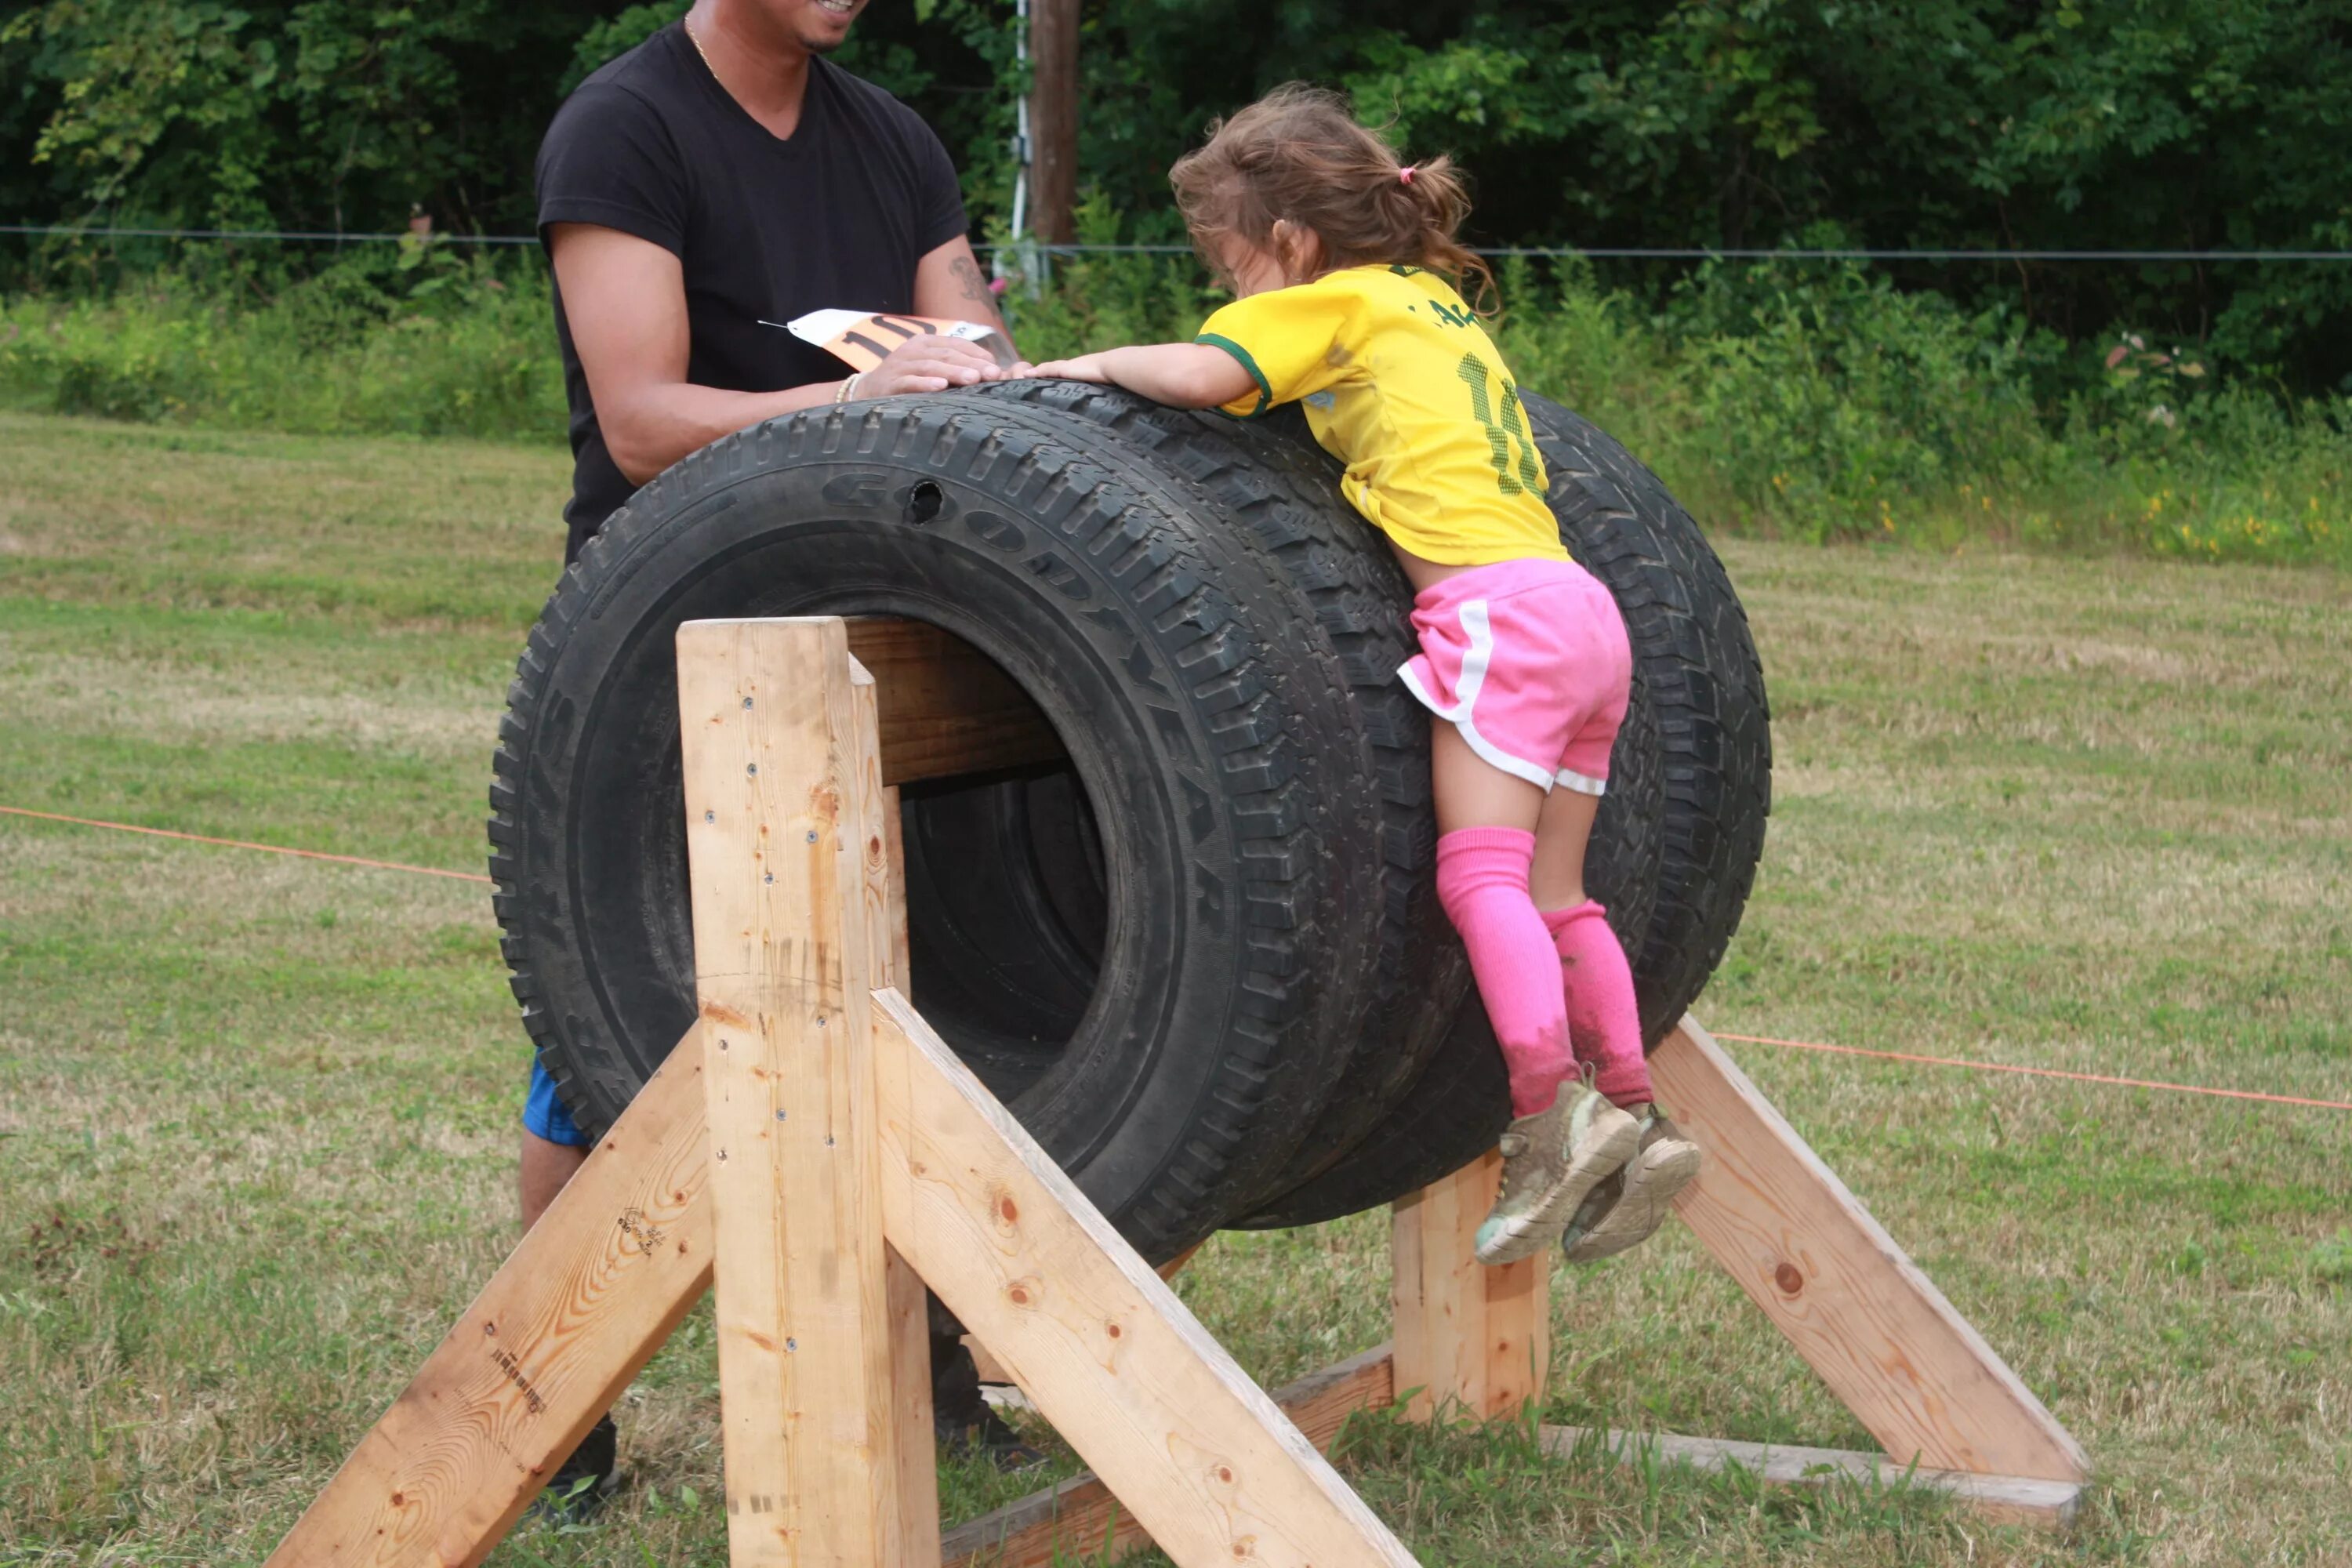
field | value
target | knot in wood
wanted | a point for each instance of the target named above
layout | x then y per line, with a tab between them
1790	1282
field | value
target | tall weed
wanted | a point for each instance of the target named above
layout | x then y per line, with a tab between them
1813	402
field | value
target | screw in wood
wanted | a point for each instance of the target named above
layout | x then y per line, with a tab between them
812	835
751	767
779	1116
792	1344
709	816
747	702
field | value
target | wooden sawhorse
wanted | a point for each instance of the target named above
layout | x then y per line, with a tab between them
809	1082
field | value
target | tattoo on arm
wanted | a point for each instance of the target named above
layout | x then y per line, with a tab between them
975	288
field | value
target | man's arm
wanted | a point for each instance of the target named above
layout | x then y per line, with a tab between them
625	298
1184	375
950	286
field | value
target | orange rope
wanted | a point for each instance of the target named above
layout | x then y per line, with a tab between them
1744	1039
241	844
2038	1072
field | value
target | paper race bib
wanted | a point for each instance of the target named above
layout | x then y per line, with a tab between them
862	339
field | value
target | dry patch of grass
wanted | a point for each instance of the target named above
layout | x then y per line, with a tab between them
255	1116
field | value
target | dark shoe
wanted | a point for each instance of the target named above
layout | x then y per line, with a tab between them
964	1434
582	1483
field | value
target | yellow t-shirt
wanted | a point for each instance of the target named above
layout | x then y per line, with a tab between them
1403	384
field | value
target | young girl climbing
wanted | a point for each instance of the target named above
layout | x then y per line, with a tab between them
1345	271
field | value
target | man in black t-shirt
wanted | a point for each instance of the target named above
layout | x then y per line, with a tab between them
711	184
693	194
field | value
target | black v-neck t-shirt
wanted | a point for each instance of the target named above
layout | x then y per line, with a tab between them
835	216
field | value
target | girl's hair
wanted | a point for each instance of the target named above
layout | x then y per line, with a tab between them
1298	153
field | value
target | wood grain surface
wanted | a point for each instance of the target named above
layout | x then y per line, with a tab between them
1471	1342
1912	1370
1080	1516
782	936
945	707
1208	1464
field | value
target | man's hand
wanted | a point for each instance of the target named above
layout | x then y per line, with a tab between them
932	364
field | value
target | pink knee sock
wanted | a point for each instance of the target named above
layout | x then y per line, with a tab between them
1481	879
1602	1019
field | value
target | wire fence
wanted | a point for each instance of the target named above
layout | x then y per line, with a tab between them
1544	252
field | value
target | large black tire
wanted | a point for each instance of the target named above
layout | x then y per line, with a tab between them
1278	489
1698	723
1237	815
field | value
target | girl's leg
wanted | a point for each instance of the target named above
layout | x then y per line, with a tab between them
1486	821
1604	1027
1562	1141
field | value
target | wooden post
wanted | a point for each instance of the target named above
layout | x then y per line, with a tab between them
1053	120
1857	1309
782	966
884	888
1474	1341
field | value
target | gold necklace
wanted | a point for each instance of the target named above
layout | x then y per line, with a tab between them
697	47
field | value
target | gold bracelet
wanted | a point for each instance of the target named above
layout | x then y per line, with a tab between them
846	388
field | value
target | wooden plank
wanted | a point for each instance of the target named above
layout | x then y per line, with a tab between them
985	1363
945	707
1474	1342
1080	1515
2004	1499
1912	1370
781	935
885	896
578	1306
1196	1450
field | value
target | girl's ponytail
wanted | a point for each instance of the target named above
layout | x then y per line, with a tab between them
1435	200
1298	155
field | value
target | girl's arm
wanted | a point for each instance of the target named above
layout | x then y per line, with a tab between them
1184	375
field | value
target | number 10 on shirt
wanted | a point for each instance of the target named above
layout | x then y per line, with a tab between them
1509	437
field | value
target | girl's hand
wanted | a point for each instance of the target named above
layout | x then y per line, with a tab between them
1086	367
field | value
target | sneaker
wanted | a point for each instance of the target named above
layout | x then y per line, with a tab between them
1551	1160
585	1478
1627	1209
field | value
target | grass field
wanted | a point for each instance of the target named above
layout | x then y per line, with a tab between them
256	1115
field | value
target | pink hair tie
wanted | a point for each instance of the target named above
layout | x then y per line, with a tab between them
1404	174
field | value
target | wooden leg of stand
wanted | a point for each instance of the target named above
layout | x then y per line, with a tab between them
884	875
1472	1340
1861	1313
576	1310
1195	1449
782	946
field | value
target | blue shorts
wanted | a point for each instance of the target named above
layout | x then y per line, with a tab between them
543	1113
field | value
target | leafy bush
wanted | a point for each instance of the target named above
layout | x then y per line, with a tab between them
424	343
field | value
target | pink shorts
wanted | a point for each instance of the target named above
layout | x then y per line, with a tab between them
1530	660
